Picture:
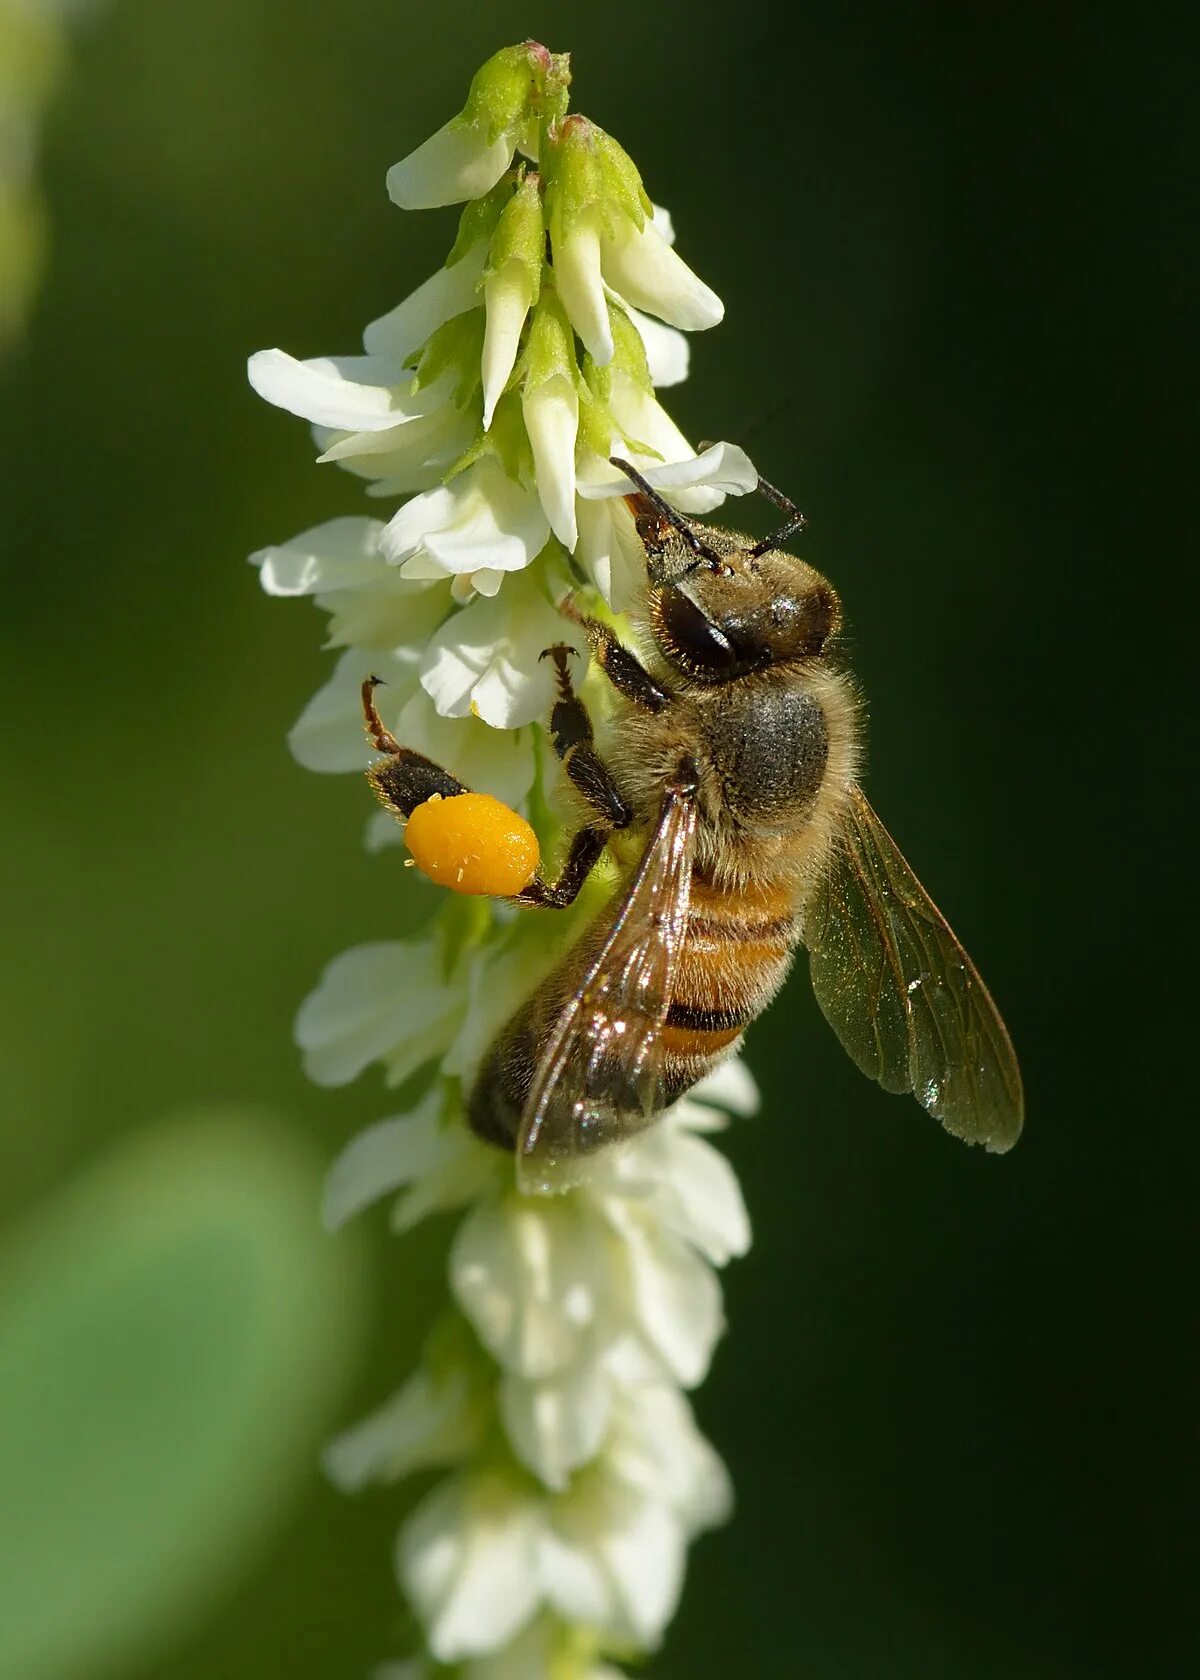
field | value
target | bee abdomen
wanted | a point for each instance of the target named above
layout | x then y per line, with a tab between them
736	953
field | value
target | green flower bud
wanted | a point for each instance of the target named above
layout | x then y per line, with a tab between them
550	352
586	169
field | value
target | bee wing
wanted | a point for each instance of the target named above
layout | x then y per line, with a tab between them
901	993
598	1078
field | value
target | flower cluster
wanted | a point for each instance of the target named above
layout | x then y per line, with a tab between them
492	398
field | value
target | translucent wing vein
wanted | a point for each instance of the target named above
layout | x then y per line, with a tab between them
598	1077
901	993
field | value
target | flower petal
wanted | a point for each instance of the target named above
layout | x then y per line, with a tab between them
453	165
351	393
432	1421
679	1181
328	734
340	554
380	1002
638	1544
448	292
481	518
656	1449
381	1159
557	1423
730	1085
674	1295
508	295
577	276
551	413
467	1559
531	1275
487	659
610	548
641	265
668	352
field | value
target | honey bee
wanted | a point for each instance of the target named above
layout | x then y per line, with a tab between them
732	757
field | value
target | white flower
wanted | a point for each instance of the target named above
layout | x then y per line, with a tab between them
468	1558
433	1421
385	1002
476	528
486	1551
508	294
449	292
551	413
581	285
668	353
486	660
348	393
457	162
328	734
641	265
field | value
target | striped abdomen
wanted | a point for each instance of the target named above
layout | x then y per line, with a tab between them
735	955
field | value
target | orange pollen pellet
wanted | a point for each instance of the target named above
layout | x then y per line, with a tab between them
473	844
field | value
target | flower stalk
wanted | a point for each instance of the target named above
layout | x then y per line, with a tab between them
551	1393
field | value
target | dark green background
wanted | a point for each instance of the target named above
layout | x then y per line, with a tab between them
956	1395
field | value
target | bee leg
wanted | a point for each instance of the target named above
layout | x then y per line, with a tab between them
624	671
571	733
405	779
582	857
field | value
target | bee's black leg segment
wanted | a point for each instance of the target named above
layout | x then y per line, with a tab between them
623	669
406	779
582	858
571	733
570	725
592	777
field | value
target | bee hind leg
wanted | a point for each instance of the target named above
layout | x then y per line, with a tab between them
404	779
582	857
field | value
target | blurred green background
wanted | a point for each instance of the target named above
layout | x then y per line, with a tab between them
957	1394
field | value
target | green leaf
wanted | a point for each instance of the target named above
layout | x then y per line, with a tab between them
174	1334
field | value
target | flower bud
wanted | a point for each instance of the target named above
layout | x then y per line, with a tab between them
511	284
469	154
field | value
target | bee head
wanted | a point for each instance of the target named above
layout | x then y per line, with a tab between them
734	611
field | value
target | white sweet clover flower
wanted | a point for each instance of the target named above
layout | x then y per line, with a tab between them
551	1391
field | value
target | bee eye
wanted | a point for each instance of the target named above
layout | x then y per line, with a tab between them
700	646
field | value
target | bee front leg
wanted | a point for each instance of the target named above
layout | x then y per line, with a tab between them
623	669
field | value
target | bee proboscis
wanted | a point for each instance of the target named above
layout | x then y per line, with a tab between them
733	757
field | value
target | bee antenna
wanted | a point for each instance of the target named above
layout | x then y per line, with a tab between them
793	522
672	515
